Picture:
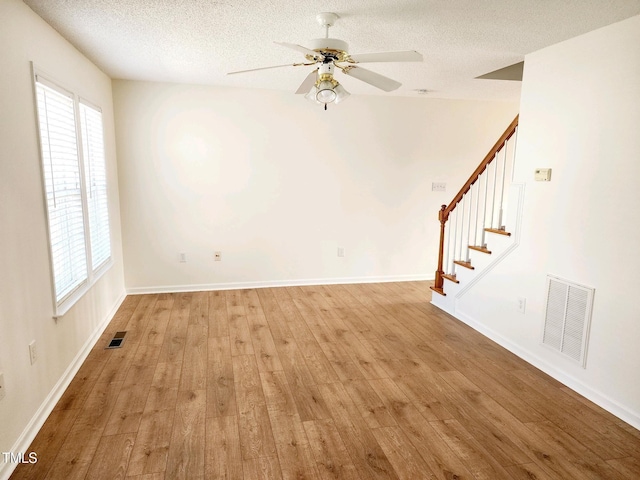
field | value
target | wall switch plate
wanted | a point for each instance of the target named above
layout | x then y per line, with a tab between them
182	257
438	187
2	387
341	251
32	352
522	304
217	256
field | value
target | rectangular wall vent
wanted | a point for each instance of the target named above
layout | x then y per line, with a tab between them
567	318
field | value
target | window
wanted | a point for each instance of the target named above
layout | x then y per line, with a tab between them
75	184
96	184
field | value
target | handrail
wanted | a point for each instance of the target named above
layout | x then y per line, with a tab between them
508	133
445	210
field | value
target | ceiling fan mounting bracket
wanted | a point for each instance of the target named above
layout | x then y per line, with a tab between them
327	19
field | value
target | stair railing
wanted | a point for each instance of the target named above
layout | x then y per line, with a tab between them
478	207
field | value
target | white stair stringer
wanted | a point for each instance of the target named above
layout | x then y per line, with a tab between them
499	245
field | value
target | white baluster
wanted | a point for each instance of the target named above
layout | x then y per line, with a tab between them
504	171
494	187
462	226
448	247
485	174
469	224
475	229
455	240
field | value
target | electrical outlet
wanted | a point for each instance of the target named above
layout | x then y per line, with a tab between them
522	304
32	352
2	387
341	251
182	257
217	256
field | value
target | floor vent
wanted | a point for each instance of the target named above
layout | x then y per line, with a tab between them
116	341
567	318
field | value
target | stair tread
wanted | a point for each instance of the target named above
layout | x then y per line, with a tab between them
498	231
438	290
451	278
464	264
480	249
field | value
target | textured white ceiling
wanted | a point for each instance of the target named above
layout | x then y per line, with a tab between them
199	41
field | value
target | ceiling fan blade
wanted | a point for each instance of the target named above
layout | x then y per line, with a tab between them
408	56
372	78
300	48
275	66
308	82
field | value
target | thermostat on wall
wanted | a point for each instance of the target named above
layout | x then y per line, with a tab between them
543	174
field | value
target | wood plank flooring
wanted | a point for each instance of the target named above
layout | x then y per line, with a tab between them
323	382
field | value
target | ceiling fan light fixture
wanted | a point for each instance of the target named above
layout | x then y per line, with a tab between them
311	96
341	93
325	92
334	92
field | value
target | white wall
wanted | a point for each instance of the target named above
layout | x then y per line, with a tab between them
580	116
25	287
277	184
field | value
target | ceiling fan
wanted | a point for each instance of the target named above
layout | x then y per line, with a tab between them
327	54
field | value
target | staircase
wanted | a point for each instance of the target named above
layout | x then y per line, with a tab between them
473	227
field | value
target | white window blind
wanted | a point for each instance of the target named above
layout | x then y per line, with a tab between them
75	183
61	170
96	184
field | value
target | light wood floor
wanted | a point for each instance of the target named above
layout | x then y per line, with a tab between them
338	382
